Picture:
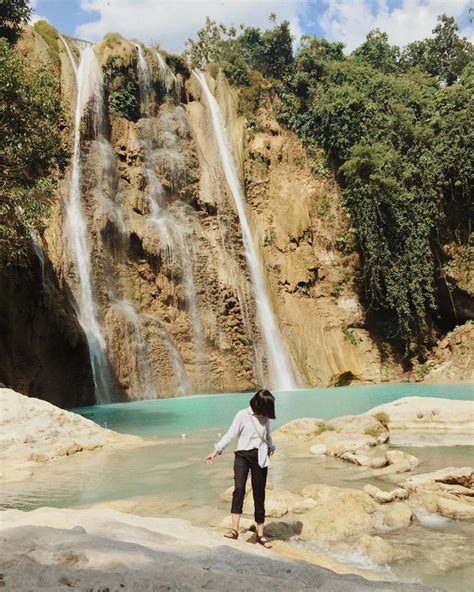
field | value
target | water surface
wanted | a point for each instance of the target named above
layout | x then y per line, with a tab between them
172	478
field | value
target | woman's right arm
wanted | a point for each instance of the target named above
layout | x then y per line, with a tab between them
231	433
226	439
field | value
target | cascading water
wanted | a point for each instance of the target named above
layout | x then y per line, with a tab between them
182	384
143	374
280	369
171	82
171	230
88	86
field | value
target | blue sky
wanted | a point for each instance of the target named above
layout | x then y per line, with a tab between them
170	22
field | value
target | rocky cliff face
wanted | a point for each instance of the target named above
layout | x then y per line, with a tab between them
42	347
171	285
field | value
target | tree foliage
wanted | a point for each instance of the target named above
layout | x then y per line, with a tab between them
121	88
444	56
268	52
377	52
13	14
401	145
31	148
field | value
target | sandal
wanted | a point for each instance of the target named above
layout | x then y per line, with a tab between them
232	534
262	540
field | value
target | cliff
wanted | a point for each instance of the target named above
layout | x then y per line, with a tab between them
147	279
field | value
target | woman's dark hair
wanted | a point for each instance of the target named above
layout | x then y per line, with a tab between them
263	403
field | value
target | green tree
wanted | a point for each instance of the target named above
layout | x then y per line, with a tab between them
269	52
401	149
377	52
31	149
13	14
212	44
276	51
444	56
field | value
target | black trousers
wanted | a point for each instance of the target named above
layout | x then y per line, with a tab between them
245	461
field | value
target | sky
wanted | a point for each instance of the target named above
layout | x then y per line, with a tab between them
171	22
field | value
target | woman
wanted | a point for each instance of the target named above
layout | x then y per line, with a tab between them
255	446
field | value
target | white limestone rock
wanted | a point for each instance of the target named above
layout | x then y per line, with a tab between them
429	421
33	431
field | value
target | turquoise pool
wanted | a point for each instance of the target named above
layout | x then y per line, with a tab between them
187	415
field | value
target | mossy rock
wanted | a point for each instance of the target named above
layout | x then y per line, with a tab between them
51	37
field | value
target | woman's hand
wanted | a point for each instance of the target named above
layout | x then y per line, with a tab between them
210	457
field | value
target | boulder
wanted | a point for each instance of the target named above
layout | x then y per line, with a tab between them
278	502
366	458
341	437
449	492
463	477
455	509
280	530
339	513
393	515
428	421
33	431
395	457
318	449
378	550
352	434
306	428
304	505
317	491
385	497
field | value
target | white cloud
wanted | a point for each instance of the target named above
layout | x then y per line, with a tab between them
171	22
35	17
349	21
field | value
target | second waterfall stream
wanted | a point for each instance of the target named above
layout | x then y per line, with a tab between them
280	368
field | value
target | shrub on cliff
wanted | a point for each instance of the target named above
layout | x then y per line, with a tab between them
31	149
121	88
13	14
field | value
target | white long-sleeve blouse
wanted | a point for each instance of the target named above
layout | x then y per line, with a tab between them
245	425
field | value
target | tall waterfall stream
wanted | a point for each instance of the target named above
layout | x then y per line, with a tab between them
281	371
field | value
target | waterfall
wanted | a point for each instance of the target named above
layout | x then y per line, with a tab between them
169	79
88	86
182	384
280	369
170	228
145	384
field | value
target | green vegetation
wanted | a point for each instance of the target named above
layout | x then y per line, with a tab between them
31	149
51	37
242	55
374	431
400	144
395	127
121	88
383	418
111	40
13	14
421	371
349	335
324	426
